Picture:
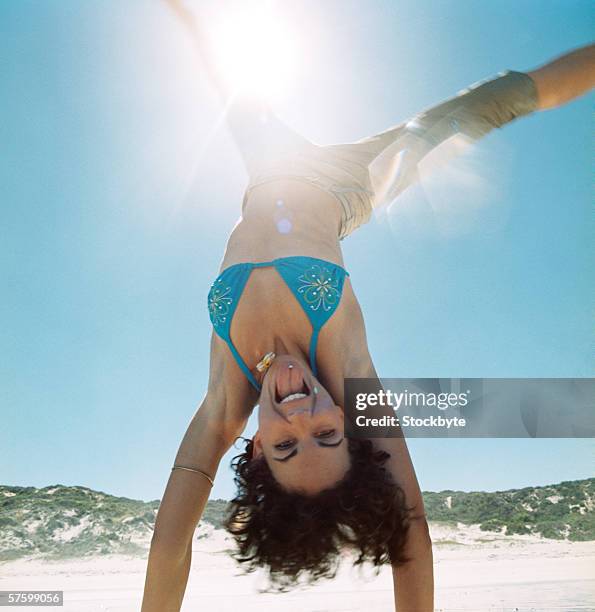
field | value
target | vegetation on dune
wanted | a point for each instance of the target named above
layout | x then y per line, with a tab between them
562	511
59	522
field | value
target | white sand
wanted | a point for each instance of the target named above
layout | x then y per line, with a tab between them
474	571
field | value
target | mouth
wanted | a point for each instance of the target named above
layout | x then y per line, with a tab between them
291	386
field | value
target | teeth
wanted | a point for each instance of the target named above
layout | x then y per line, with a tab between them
293	396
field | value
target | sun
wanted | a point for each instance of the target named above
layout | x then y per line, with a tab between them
255	50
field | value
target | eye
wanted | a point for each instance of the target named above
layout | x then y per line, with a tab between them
285	445
327	433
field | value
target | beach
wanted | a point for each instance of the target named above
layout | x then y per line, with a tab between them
474	571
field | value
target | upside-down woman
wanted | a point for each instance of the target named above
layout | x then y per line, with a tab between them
288	330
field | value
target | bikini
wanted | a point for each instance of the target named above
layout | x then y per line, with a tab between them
317	285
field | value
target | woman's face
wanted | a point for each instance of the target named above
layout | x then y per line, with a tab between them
300	429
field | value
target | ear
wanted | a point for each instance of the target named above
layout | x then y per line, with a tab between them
256	446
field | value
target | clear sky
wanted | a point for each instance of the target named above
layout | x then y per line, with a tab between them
119	184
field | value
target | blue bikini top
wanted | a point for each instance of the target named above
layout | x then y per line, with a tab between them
317	285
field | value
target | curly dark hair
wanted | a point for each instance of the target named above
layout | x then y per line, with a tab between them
298	536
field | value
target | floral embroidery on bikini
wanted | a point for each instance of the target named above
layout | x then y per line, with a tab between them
319	288
219	302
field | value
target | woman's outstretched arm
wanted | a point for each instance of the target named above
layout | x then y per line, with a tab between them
210	434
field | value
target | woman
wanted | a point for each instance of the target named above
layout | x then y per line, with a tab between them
288	330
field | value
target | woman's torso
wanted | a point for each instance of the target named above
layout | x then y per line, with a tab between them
283	219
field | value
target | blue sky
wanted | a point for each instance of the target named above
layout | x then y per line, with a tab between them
119	186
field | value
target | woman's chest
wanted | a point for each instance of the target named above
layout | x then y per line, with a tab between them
270	308
310	305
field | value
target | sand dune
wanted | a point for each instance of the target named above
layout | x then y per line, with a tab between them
475	571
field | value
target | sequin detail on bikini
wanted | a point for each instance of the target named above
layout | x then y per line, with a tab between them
219	302
319	288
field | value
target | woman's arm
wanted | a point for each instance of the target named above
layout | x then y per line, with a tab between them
413	581
181	507
211	432
565	78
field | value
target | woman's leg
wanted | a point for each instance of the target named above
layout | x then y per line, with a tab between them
261	136
374	171
392	157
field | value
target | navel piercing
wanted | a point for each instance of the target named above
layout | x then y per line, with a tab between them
290	366
315	390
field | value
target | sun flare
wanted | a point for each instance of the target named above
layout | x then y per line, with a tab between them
255	51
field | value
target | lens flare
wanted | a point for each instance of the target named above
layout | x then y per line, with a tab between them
458	188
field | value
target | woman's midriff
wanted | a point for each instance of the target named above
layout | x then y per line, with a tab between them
283	218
